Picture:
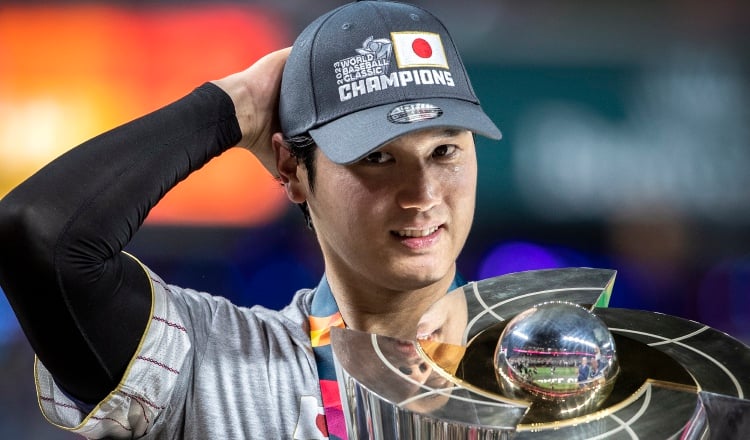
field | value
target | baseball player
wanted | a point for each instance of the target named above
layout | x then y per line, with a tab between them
373	138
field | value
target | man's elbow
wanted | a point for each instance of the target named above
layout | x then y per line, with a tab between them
24	232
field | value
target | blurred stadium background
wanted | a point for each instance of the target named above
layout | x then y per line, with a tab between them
626	146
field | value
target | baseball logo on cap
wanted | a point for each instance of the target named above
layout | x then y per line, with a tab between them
420	61
379	47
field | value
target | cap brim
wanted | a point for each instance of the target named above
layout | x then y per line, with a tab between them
351	137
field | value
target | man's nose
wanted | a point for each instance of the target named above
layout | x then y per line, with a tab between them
421	189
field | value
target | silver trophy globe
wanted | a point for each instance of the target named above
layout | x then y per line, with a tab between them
539	355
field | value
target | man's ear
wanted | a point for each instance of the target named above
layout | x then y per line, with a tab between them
292	175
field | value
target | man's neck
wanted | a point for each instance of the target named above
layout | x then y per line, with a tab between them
382	311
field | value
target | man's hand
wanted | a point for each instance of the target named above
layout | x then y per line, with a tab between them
255	93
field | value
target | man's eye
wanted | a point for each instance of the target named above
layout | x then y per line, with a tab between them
377	157
444	150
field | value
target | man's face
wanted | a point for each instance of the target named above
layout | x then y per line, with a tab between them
398	218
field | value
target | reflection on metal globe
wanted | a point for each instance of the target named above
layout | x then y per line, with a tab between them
559	356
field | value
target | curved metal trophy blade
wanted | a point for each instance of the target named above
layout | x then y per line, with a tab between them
392	391
537	355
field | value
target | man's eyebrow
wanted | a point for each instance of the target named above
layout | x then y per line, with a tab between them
449	132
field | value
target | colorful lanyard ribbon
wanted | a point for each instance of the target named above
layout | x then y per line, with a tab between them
324	314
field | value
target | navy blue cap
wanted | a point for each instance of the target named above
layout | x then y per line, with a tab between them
371	71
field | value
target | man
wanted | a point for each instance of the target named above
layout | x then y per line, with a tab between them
377	117
583	372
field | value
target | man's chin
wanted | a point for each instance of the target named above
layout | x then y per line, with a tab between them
418	280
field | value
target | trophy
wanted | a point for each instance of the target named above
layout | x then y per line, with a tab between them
539	355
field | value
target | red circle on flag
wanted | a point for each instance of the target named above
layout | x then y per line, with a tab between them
421	47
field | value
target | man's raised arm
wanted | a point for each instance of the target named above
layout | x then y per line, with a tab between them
82	303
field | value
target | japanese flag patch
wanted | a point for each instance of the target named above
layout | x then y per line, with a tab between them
418	49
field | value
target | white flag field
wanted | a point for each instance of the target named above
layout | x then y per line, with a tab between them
418	49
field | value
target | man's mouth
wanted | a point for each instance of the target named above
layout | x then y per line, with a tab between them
416	233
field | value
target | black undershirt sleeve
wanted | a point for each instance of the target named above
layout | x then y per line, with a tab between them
82	303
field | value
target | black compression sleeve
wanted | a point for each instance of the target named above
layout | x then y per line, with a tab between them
82	303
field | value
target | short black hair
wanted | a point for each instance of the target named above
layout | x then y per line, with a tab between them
303	148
